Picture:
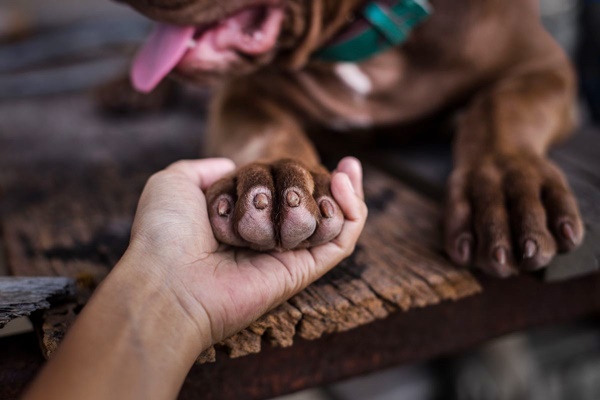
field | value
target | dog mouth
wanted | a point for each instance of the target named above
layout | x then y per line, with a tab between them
250	32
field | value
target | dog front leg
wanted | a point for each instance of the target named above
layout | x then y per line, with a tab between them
279	197
509	208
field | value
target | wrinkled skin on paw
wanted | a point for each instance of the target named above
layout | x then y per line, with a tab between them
279	205
507	214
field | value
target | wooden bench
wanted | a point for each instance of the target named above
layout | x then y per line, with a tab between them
71	179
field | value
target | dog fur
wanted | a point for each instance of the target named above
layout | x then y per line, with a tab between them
509	84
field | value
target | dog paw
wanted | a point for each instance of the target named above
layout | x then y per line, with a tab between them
280	205
510	213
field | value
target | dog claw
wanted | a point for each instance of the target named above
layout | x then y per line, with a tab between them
261	201
530	249
464	249
293	199
326	209
224	208
567	232
500	255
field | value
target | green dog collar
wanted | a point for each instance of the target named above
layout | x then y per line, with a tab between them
381	25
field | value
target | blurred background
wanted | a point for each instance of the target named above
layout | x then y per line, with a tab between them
70	45
61	46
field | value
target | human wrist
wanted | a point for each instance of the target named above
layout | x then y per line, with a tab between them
130	341
149	297
144	333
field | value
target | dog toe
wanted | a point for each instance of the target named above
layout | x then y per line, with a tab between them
331	221
458	237
298	221
534	245
254	223
510	213
278	205
564	219
494	252
221	205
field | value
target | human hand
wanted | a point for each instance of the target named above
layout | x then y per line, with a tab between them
176	290
222	289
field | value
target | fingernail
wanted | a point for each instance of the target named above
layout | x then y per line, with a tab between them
529	249
261	201
500	255
567	232
349	183
326	209
224	208
464	249
293	199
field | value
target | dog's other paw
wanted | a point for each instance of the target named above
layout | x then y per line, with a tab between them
510	213
279	205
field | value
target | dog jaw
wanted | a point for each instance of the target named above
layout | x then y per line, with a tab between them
247	36
218	46
290	31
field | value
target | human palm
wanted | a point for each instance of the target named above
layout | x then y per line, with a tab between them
225	287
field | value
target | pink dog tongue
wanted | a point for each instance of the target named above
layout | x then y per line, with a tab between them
160	53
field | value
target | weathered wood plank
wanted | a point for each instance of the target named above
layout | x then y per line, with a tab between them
52	325
114	170
415	336
70	209
504	306
279	325
19	297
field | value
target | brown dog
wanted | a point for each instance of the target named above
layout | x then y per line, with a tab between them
508	206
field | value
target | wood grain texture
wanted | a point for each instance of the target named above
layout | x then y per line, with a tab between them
70	209
113	158
504	306
19	297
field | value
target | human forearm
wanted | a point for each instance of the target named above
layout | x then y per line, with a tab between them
129	342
